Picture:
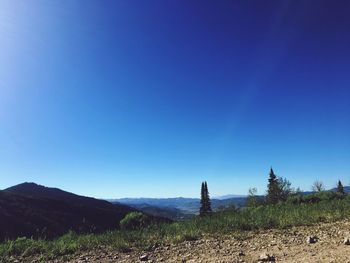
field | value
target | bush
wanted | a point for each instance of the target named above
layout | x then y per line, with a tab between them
134	221
322	196
314	198
295	199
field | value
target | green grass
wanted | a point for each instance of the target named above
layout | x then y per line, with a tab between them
228	222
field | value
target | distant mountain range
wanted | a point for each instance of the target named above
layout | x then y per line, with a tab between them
182	208
223	197
346	189
33	210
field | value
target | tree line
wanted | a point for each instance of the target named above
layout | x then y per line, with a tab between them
278	190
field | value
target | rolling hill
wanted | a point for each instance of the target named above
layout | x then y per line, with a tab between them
33	210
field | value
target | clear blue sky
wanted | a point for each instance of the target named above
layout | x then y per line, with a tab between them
150	98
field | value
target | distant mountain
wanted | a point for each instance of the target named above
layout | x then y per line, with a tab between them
190	206
33	210
223	197
346	189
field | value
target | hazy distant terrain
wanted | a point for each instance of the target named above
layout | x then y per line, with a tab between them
346	189
177	208
182	208
166	212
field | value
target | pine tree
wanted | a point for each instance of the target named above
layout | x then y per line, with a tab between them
340	188
202	208
205	200
273	189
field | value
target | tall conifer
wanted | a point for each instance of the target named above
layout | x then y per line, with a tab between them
202	207
205	207
207	198
340	188
273	189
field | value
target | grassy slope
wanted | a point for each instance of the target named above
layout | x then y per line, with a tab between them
263	217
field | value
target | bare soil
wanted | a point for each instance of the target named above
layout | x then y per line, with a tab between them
286	245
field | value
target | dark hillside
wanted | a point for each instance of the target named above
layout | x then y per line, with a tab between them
43	192
33	210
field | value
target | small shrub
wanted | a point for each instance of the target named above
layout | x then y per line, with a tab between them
295	199
134	221
311	199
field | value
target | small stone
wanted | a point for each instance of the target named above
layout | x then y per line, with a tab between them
264	257
347	241
241	254
144	257
311	239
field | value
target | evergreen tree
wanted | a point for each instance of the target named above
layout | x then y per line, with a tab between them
207	198
202	208
340	188
205	207
273	189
